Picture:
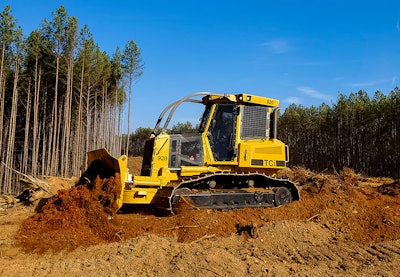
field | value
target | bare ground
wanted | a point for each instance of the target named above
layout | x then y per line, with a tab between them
344	225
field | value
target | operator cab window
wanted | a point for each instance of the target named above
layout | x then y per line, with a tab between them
222	132
204	119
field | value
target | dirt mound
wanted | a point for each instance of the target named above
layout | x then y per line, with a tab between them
80	216
36	191
345	224
392	189
347	205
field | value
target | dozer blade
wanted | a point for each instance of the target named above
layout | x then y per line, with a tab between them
100	162
162	199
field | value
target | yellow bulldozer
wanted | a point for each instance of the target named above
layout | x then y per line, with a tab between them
229	163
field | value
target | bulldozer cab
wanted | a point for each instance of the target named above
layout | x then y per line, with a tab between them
188	149
234	130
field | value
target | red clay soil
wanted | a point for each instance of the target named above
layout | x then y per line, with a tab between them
352	207
76	217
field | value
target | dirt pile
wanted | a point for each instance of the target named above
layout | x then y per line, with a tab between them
345	224
391	189
79	216
36	191
351	207
350	213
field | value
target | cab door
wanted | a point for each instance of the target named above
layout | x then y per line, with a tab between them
222	130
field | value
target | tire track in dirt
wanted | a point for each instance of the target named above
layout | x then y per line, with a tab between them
344	256
300	245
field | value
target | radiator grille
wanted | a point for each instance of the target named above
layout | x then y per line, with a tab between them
255	121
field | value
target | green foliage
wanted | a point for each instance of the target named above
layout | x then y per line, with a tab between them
7	27
34	46
137	141
54	31
181	128
132	63
139	137
357	131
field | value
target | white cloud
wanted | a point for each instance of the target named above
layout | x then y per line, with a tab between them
276	46
394	80
292	100
314	94
369	84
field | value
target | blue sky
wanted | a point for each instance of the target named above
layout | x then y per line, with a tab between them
302	52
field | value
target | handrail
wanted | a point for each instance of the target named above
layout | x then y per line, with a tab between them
174	105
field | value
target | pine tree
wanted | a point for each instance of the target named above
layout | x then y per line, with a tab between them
133	68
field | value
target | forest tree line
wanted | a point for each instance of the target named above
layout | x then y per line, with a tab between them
138	138
357	131
60	97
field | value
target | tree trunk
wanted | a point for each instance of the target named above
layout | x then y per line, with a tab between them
54	151
78	147
129	114
36	136
24	164
65	166
2	101
8	177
